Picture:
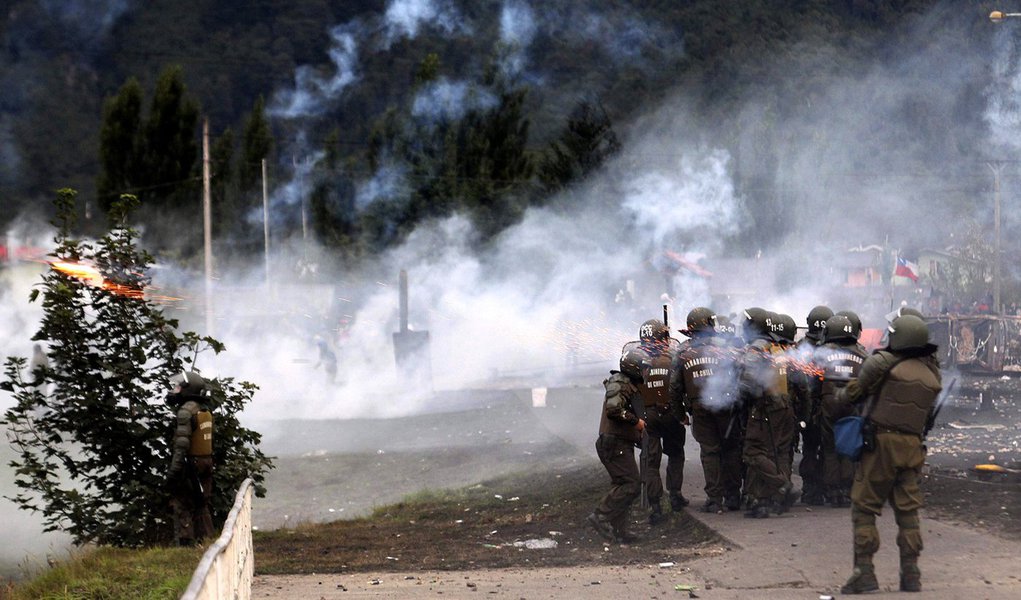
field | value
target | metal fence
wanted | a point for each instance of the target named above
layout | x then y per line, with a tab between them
226	568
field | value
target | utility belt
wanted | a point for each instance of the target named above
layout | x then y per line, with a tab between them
885	429
619	438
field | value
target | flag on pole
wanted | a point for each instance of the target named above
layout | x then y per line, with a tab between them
906	268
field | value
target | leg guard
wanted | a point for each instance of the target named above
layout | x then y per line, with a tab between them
909	534
909	540
866	536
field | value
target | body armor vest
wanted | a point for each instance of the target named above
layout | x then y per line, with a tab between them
202	434
907	396
708	376
774	374
839	364
620	390
655	381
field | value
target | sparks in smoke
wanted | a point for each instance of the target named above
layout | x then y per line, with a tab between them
91	275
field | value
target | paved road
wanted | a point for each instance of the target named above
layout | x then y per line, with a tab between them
805	554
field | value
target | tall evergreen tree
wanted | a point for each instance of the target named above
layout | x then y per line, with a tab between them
256	144
120	142
170	146
582	147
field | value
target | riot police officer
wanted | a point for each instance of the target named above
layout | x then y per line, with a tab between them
811	466
703	385
766	394
665	433
620	428
840	358
899	386
190	476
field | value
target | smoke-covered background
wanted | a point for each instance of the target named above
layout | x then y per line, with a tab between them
767	194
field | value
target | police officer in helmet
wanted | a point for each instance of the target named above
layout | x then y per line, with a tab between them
898	387
190	476
703	385
620	428
665	432
766	391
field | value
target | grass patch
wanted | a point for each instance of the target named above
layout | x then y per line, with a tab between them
112	574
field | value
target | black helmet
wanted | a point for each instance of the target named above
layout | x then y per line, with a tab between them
855	321
838	328
817	321
631	363
724	326
188	383
902	311
756	323
653	330
909	332
788	328
700	320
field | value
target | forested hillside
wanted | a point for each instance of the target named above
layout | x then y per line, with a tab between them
375	115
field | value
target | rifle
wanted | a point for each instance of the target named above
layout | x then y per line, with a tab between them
930	422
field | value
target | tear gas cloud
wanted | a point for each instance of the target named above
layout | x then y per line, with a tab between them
404	18
547	284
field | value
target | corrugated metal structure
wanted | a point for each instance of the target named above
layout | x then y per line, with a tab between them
986	344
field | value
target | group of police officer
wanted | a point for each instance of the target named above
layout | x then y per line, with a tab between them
749	392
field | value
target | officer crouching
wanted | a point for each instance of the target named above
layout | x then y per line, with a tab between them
899	386
619	430
190	477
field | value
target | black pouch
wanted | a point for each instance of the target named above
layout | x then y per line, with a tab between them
868	436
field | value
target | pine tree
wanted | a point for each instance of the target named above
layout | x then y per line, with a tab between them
90	430
120	144
584	145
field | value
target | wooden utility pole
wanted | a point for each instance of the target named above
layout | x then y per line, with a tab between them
265	219
207	218
996	168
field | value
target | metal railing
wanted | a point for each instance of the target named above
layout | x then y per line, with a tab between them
227	566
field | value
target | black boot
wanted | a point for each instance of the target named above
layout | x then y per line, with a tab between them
677	502
602	527
910	575
656	514
759	510
732	503
862	580
712	505
786	499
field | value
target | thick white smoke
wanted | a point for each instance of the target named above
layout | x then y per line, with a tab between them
313	92
404	18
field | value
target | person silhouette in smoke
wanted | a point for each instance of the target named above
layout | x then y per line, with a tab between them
327	360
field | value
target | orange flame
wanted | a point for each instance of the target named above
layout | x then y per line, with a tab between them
93	277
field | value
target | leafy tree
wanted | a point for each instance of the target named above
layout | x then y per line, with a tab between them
90	431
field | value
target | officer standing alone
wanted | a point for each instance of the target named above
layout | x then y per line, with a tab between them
899	386
190	477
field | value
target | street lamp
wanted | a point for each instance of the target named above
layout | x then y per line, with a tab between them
997	16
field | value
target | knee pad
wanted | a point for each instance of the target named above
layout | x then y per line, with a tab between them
909	534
